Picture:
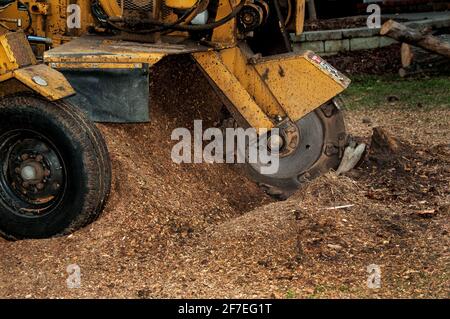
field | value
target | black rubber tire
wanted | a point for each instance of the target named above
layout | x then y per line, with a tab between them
299	168
86	160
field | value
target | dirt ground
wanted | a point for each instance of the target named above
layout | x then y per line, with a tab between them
205	230
380	61
340	23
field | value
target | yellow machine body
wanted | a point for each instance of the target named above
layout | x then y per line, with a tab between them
17	62
262	90
48	18
180	4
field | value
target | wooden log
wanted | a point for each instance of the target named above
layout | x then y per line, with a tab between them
410	53
413	55
417	61
405	34
312	10
406	54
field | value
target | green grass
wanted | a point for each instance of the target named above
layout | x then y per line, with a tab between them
382	91
290	294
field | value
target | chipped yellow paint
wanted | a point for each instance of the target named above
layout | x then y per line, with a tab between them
75	65
237	62
55	87
50	17
180	4
111	8
226	34
299	84
288	85
237	95
8	61
92	49
87	57
17	61
6	76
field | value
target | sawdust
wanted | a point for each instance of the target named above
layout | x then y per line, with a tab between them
205	230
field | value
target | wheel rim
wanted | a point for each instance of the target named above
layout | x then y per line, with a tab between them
33	173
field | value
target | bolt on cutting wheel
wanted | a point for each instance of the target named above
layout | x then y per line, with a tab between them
55	172
322	139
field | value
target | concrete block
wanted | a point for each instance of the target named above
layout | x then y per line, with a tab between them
298	38
316	46
429	23
364	43
386	41
359	33
337	45
419	24
441	23
323	35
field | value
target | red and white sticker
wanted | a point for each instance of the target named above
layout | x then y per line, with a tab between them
327	67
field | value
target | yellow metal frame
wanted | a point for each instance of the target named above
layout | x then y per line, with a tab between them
111	8
301	82
267	91
49	18
213	65
14	52
101	52
17	61
55	85
180	4
225	35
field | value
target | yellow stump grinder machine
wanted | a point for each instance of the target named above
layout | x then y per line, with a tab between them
65	64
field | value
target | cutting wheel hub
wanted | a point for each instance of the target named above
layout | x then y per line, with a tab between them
275	142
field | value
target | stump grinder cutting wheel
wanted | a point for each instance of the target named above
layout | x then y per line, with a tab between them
321	142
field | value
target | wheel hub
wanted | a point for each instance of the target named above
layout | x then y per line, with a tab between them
33	171
275	142
287	141
28	173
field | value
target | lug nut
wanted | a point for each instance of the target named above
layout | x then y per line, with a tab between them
40	186
24	157
39	158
